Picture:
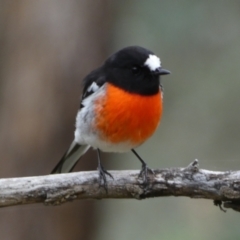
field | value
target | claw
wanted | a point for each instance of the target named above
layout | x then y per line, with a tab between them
145	170
144	173
102	180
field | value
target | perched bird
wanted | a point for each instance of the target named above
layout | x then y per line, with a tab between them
121	108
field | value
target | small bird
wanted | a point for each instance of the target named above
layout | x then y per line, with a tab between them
121	108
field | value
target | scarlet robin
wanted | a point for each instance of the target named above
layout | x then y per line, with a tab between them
121	107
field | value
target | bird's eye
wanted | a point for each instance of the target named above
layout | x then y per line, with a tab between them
135	70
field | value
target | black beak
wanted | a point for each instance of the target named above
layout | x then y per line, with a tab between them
161	71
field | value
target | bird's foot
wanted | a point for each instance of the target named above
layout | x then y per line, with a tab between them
102	180
144	173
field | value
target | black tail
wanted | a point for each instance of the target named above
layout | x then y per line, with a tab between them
70	158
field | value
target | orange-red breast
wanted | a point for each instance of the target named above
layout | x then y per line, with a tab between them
121	107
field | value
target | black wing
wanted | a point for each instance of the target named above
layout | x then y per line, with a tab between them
92	82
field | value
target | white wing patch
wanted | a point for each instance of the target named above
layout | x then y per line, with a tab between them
153	62
93	87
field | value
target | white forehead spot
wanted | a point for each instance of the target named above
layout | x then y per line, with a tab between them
153	62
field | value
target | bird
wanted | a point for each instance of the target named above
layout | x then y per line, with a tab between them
120	108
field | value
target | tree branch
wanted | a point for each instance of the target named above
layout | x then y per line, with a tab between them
222	187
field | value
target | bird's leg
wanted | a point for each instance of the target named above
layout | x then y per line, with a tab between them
144	171
102	172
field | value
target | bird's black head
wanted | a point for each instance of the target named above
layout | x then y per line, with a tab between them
135	69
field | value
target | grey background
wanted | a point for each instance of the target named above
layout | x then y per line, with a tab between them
47	47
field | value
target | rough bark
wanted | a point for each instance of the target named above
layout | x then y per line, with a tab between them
222	187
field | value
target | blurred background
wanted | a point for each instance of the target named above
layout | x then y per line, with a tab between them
47	47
